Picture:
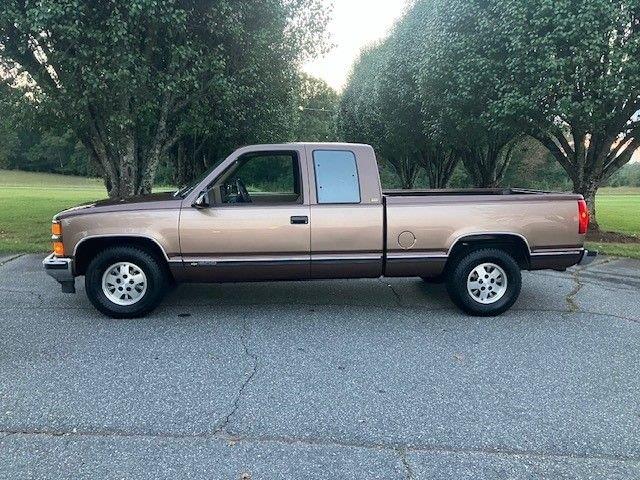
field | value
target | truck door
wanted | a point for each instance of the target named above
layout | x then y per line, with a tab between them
346	212
256	225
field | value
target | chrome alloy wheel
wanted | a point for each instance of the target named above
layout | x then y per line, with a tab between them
487	283
124	283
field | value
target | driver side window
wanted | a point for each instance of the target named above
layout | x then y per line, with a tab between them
267	178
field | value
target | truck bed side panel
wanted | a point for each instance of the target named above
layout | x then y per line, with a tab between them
547	223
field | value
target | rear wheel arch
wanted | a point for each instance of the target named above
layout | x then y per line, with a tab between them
88	248
513	244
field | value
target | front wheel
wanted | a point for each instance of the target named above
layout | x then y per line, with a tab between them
484	282
125	282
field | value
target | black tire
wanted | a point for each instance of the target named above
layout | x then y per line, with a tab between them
157	281
459	274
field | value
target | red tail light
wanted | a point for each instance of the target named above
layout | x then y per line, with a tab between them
583	217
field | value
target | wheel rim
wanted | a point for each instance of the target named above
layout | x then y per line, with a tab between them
124	283
487	283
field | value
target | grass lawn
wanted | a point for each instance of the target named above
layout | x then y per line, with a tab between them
29	200
618	210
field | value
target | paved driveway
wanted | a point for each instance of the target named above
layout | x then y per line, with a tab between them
345	379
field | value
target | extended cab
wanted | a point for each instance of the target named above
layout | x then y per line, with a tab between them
313	211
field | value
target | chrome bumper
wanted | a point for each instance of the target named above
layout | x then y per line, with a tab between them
61	269
587	257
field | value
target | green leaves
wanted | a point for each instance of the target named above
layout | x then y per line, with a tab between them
471	75
133	76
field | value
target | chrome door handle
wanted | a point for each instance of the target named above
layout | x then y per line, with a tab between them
303	220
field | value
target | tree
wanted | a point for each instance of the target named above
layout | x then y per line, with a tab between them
316	110
407	104
381	106
458	66
131	77
573	82
363	118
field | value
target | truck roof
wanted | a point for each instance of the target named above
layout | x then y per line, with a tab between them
284	146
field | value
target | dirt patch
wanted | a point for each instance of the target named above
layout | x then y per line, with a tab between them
612	237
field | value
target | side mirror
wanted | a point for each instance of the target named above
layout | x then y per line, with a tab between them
202	201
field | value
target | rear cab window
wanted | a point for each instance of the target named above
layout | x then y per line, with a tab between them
336	174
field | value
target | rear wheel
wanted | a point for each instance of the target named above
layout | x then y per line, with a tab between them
484	282
125	282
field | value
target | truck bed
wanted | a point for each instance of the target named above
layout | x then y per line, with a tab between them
424	225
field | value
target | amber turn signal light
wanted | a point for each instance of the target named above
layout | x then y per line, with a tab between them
58	249
56	228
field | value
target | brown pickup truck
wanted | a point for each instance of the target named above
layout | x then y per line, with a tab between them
313	211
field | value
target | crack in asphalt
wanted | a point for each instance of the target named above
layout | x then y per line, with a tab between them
11	259
572	303
397	448
408	471
38	296
223	427
396	296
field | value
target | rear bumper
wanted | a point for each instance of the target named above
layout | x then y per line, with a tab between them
61	269
587	257
560	260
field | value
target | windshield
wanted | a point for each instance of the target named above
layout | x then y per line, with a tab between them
184	191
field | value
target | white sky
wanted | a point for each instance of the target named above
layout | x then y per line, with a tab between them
355	24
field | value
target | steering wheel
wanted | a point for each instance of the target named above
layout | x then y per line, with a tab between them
242	191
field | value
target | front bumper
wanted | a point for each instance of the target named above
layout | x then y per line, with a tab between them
61	269
587	257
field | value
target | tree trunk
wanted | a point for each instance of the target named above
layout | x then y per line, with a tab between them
128	160
488	163
129	167
439	165
180	166
407	171
590	156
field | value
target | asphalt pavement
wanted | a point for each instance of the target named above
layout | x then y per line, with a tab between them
353	379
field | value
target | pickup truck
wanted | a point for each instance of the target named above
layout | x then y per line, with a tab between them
304	211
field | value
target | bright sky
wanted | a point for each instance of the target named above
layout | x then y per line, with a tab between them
355	24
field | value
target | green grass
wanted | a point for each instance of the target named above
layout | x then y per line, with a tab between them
29	200
631	250
618	210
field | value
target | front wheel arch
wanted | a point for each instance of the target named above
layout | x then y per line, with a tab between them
87	249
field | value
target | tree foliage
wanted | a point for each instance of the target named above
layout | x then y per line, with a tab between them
573	81
316	110
133	78
433	91
470	78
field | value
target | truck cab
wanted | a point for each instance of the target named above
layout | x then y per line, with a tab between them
286	212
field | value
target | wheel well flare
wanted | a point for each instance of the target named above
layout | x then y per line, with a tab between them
87	249
514	245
